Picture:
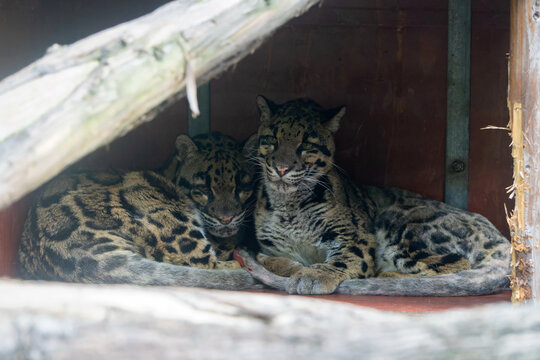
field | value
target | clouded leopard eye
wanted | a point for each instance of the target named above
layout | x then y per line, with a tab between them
307	150
244	195
267	144
244	185
199	195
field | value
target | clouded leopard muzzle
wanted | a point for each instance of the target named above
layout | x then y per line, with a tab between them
225	225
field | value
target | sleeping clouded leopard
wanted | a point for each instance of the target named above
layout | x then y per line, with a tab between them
317	230
140	227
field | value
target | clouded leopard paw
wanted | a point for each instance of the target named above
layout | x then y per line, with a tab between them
310	281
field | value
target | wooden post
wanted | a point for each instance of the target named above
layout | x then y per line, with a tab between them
524	108
80	97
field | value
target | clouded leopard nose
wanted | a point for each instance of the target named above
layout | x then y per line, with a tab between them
282	169
225	219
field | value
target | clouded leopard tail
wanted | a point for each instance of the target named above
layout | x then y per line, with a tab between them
125	267
148	272
473	282
488	278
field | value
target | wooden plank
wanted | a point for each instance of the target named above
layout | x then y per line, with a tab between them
68	321
490	161
119	78
458	103
200	124
524	109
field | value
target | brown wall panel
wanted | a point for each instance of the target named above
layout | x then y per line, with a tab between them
146	147
490	159
387	63
386	60
11	225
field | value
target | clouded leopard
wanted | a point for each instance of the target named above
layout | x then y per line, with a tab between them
142	227
318	230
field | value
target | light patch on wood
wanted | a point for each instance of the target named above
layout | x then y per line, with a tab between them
521	289
191	89
524	108
24	105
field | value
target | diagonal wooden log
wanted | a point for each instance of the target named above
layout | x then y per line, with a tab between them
69	321
80	97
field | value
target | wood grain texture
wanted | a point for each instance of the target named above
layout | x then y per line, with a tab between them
66	321
490	160
524	108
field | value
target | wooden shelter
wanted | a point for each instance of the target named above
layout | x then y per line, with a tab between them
421	79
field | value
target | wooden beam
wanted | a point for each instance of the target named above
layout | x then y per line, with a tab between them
524	109
69	321
80	97
458	103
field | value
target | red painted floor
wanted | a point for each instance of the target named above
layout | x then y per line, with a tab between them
411	303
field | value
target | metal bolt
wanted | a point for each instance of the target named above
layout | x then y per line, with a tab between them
458	166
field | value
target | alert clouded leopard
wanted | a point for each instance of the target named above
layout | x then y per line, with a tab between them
142	228
318	230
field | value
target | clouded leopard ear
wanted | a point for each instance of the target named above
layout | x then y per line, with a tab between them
266	107
251	145
185	147
334	117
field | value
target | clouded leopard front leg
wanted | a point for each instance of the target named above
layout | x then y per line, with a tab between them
281	266
349	258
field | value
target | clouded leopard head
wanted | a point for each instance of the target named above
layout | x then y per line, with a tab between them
214	173
295	144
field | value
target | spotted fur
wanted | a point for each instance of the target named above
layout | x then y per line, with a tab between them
140	227
319	229
212	171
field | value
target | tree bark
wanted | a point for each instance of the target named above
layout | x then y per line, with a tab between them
80	97
69	321
524	108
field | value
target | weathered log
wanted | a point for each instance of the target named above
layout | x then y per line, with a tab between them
524	108
80	97
68	321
